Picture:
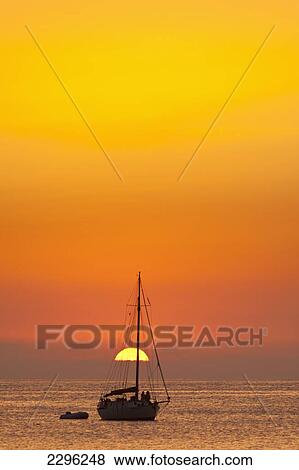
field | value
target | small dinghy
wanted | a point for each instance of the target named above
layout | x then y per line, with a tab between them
76	415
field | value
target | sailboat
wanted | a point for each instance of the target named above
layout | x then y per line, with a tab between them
129	401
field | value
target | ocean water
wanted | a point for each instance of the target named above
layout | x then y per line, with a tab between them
201	415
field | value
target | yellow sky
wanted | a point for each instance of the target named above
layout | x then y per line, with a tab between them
149	77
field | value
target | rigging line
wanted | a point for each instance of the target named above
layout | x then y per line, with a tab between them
114	379
123	376
126	374
128	302
110	383
132	325
151	385
155	349
105	385
154	380
119	375
145	297
122	370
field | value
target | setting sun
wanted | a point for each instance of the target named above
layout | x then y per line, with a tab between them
130	354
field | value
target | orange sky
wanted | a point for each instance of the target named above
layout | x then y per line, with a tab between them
221	246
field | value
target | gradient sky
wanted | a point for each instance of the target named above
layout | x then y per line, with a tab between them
221	246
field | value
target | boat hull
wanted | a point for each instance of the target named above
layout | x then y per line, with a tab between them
128	411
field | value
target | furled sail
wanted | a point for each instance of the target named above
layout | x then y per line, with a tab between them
120	391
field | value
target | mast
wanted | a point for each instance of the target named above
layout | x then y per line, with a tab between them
138	337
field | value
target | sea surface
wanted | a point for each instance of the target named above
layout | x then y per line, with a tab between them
201	415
